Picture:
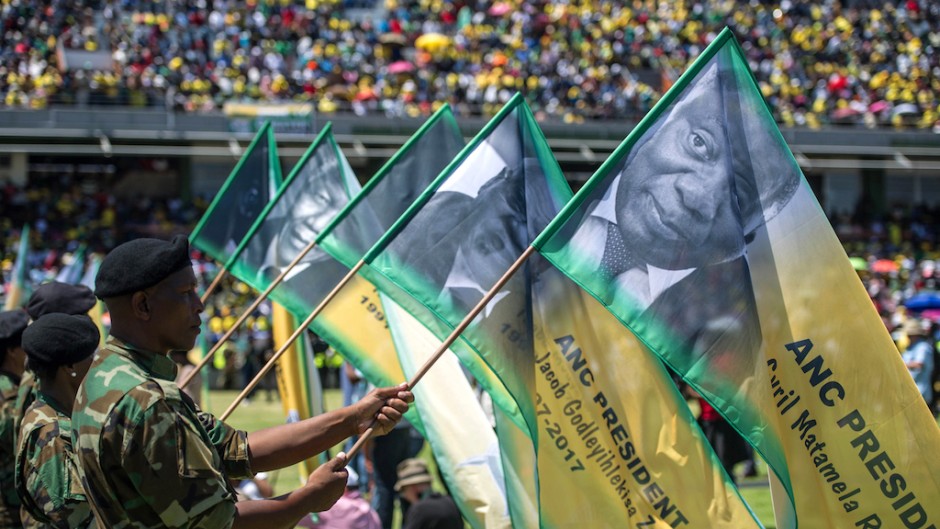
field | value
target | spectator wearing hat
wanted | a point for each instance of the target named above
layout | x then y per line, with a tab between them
918	357
12	363
351	511
59	348
53	296
429	509
147	453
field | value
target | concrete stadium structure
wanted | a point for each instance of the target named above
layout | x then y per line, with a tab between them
135	151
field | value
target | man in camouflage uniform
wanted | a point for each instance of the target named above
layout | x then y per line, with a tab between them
59	349
148	456
12	363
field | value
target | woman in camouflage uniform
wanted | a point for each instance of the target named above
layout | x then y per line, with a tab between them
59	348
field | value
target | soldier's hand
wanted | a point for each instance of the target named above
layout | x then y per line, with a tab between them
385	406
329	481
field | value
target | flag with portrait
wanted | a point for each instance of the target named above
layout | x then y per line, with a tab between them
315	191
240	200
701	235
620	446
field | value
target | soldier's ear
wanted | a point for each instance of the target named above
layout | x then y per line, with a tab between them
141	305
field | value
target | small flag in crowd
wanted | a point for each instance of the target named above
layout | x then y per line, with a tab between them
73	272
18	290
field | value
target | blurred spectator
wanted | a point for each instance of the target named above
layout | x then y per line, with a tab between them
387	452
429	509
256	488
918	357
353	387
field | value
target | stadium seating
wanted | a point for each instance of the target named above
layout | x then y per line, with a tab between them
852	63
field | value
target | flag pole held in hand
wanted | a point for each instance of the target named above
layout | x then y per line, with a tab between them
300	330
445	345
241	319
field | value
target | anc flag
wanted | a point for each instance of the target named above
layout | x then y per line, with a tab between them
316	190
292	378
701	235
72	273
241	198
465	445
18	290
96	313
607	430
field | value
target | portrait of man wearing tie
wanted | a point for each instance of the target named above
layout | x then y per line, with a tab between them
677	220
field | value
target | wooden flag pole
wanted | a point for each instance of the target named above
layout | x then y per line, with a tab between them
241	319
300	330
468	319
215	282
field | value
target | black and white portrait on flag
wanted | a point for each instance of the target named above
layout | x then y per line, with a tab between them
313	199
476	224
671	231
237	206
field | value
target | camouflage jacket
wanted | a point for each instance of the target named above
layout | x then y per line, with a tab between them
148	457
46	470
25	396
9	501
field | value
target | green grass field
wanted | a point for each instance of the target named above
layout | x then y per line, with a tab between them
260	413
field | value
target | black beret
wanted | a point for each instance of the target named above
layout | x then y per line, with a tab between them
140	264
60	339
12	323
60	297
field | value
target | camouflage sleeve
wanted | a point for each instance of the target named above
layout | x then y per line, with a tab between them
230	443
48	474
25	395
172	473
9	500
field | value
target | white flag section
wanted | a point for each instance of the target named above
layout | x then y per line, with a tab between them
464	444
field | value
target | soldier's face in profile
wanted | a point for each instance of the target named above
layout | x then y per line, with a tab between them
309	214
174	308
674	200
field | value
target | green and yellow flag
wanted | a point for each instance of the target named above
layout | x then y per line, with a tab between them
459	237
604	428
455	424
701	235
73	272
293	377
18	290
242	197
96	313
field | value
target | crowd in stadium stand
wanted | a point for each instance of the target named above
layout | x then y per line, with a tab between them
860	63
